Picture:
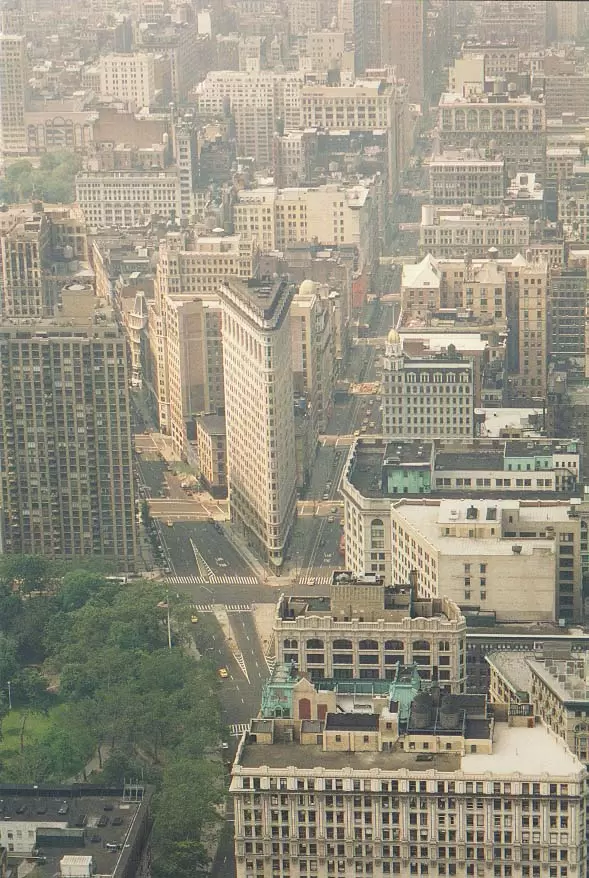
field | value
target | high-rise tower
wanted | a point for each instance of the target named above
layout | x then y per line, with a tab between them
259	410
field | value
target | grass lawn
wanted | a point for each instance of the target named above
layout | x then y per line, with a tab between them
35	725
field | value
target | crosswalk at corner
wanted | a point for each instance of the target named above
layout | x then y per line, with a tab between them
237	729
212	580
229	608
314	580
270	662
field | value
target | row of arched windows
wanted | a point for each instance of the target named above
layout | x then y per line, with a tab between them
315	643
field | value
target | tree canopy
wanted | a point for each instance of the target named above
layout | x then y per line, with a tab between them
91	656
53	181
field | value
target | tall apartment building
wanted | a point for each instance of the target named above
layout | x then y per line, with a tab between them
568	20
310	15
185	324
13	79
402	43
66	478
259	411
567	316
256	100
25	252
426	398
464	176
530	372
135	77
367	27
566	94
519	559
129	199
365	629
514	125
378	472
453	232
405	784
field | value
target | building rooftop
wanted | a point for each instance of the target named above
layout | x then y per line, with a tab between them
468	460
527	751
103	824
565	676
212	424
514	668
265	301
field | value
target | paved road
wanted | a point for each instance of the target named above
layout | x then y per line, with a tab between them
213	547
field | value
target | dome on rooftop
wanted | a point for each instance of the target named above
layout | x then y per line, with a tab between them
393	337
307	287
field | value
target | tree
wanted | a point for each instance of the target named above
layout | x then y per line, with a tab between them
27	572
77	588
29	688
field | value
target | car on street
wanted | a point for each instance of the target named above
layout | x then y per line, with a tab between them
326	496
330	519
194	619
223	673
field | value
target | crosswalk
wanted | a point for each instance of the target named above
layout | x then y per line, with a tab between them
229	608
314	580
237	729
212	579
271	662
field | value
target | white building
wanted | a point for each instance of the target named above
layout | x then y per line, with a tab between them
259	411
425	398
257	99
467	176
515	125
378	473
519	559
135	77
128	199
388	783
452	232
328	214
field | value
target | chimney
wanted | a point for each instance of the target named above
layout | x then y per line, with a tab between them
413	584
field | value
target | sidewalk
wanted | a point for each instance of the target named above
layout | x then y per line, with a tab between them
262	572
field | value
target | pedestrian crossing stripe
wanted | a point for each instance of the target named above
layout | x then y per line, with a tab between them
229	608
271	662
237	729
219	580
315	580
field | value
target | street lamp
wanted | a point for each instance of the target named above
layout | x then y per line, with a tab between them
8	682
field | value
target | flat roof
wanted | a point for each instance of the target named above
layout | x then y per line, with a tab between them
533	751
41	806
468	460
515	749
513	667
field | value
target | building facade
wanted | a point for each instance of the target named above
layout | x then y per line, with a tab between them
519	559
66	479
426	398
13	78
364	630
259	413
407	788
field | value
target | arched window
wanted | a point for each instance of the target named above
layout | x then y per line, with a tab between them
291	644
472	120
377	534
485	120
314	643
497	120
342	644
368	645
394	645
421	646
459	120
